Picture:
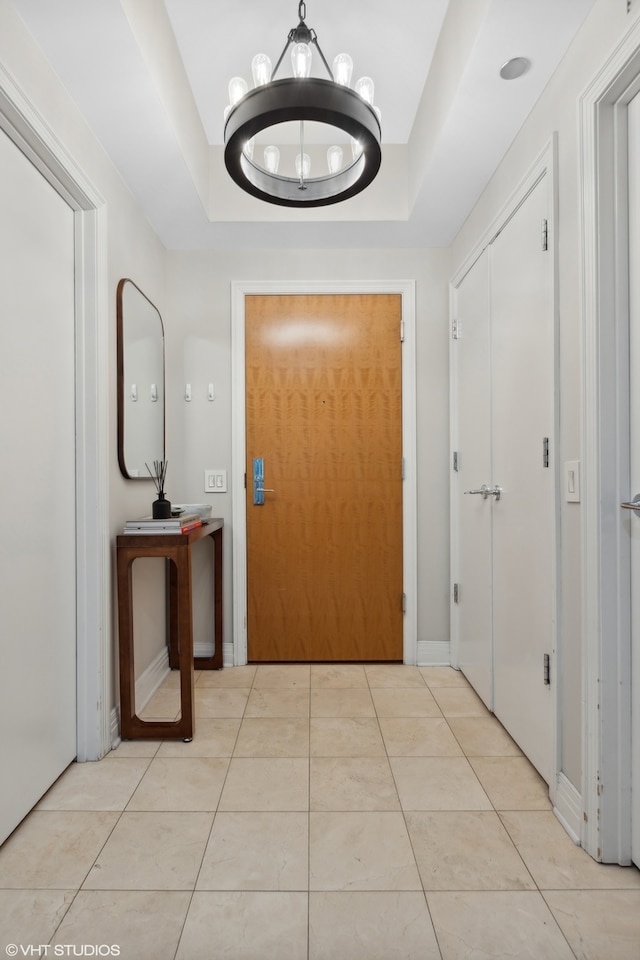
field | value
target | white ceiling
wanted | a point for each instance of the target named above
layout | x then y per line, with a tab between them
150	78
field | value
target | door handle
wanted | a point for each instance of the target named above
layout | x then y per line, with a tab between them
485	492
482	492
259	489
634	505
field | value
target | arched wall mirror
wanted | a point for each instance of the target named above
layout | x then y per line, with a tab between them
140	382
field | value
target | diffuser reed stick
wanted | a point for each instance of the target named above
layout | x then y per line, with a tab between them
159	475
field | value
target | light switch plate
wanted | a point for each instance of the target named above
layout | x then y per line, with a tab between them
572	481
215	481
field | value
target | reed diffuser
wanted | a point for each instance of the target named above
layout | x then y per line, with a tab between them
161	508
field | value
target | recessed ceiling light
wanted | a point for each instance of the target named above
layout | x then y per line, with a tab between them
514	68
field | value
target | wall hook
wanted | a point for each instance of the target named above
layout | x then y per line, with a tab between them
187	392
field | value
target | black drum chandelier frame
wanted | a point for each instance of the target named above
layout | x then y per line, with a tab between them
302	99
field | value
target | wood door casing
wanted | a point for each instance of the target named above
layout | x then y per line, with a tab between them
324	410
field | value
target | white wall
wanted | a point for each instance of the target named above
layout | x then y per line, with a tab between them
558	110
199	352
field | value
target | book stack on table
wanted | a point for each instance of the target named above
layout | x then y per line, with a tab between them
149	526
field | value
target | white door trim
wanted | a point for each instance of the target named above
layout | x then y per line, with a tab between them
545	164
29	131
406	289
606	760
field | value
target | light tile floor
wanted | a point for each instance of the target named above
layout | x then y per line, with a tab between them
320	813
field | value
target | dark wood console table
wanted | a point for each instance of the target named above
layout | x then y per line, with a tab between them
176	548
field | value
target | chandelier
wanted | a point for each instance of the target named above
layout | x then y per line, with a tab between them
252	158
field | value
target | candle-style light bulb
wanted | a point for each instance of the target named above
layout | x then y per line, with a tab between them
237	89
334	159
342	69
301	60
271	158
303	165
261	69
364	87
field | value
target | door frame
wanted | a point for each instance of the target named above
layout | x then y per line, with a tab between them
606	607
20	120
545	165
406	290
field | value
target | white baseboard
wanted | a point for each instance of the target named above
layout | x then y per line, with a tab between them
568	807
434	653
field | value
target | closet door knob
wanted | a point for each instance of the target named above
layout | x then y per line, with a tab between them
482	492
634	505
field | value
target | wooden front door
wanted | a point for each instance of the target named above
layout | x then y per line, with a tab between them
324	413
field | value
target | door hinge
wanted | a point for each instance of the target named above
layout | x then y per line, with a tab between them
402	467
545	451
402	331
456	461
455	329
456	593
547	670
245	481
545	235
404	603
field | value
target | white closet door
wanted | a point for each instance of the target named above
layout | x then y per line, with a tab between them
37	486
473	611
631	519
522	317
504	545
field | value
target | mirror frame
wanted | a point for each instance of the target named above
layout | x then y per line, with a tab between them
120	324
